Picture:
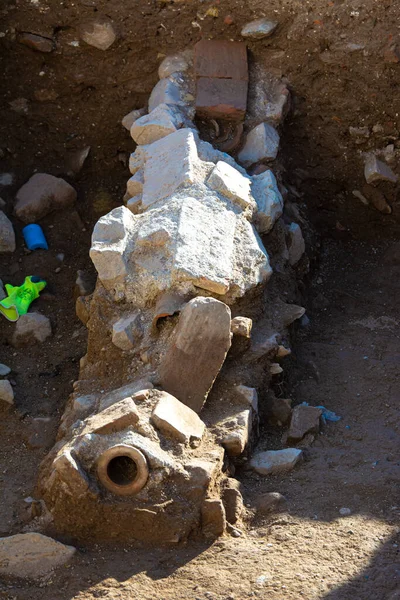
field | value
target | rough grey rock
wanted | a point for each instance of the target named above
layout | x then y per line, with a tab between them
4	370
296	245
177	420
305	419
166	91
248	395
227	180
131	117
273	462
197	350
262	144
41	195
126	331
117	417
271	502
269	201
32	555
6	179
134	187
174	63
160	122
236	432
6	391
241	326
31	329
99	33
376	170
259	29
268	99
7	235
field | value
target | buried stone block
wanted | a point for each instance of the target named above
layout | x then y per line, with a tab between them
197	351
117	417
269	201
305	419
41	195
71	473
159	123
236	432
230	183
262	144
176	420
213	518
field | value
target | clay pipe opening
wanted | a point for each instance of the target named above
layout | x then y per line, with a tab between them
123	470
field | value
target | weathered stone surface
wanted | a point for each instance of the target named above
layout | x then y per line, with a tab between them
262	344
4	370
296	245
230	183
117	417
82	306
131	117
208	153
376	197
268	99
269	201
275	369
262	144
271	502
6	392
7	235
237	431
71	473
241	326
376	170
248	395
173	64
99	33
233	501
126	331
134	187
137	159
305	419
197	351
259	29
177	420
159	123
41	195
36	42
221	98
84	284
275	462
213	520
221	59
166	91
32	555
31	329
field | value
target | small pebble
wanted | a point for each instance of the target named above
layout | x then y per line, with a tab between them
57	270
4	370
345	512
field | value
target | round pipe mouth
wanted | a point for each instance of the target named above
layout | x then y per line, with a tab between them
123	470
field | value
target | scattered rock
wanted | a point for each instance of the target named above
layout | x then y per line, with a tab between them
248	395
376	170
279	410
82	306
32	555
6	179
262	144
77	159
159	123
271	502
236	432
275	369
358	194
213	520
41	195
166	91
241	326
6	391
198	346
131	117
7	235
45	95
173	64
375	197
275	462
230	183
4	370
233	501
31	329
269	201
296	245
36	42
126	332
259	29
176	420
345	512
99	33
305	419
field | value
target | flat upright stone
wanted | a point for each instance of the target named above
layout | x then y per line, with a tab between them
238	430
177	420
262	144
36	42
230	183
221	59
305	419
296	245
241	326
6	392
269	201
32	555
31	329
118	417
7	235
197	350
166	91
221	98
259	29
129	119
126	331
41	195
376	170
159	123
233	502
275	462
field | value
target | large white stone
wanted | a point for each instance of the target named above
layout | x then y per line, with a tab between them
131	117
230	183
134	186
269	201
159	123
262	144
274	462
166	91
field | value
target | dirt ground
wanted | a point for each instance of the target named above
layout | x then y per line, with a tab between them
347	359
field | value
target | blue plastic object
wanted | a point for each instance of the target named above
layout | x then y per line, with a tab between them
34	237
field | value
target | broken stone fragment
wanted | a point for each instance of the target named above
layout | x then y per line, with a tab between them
84	284
248	395
159	123
71	473
41	195
177	420
269	97
274	462
134	204
288	313
259	29
305	419
126	331
99	33
232	500
376	170
296	245
375	197
197	350
269	201
6	392
166	91
131	117
7	235
4	370
36	42
77	160
118	417
213	519
262	144
236	432
31	329
82	306
230	183
32	555
271	502
134	187
241	326
275	369
173	64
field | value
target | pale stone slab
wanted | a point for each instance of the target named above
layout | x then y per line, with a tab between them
275	462
262	144
119	416
238	432
159	123
230	183
269	201
177	420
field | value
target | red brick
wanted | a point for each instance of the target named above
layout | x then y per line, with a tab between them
221	98
221	59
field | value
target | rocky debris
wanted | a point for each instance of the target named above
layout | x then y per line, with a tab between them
236	432
175	63
117	417
248	395
279	410
269	201
374	196
131	117
71	473
166	91
259	29
275	369
4	370
241	326
32	555
305	419
198	346
6	179
134	187
99	33
288	313
376	170
360	134
76	161
82	306
274	462
296	245
6	391
31	329
232	500
126	332
271	502
268	99
213	519
262	344
176	420
41	195
36	42
84	284
230	183
160	122
7	235
262	144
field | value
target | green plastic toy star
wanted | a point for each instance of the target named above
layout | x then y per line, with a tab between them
21	297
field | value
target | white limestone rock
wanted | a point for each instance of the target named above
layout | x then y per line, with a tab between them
237	430
269	201
134	187
6	392
131	117
177	420
126	331
262	144
159	123
275	462
166	91
226	180
174	63
259	29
